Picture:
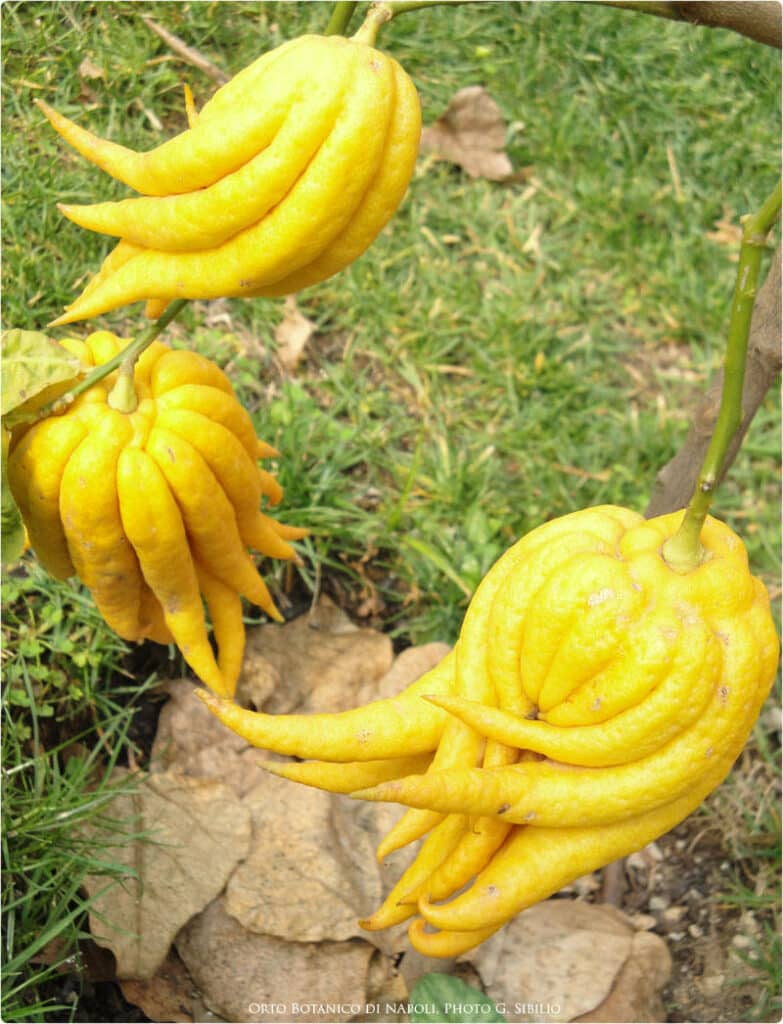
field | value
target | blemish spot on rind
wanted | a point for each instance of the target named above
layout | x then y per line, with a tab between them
600	597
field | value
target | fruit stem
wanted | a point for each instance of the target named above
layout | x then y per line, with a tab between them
122	396
342	13
684	551
128	356
385	10
377	15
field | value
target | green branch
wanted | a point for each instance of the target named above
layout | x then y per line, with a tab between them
683	551
128	356
342	13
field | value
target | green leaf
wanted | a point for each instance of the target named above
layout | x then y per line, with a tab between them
11	527
443	998
32	363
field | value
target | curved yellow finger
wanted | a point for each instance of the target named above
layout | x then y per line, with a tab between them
152	620
684	688
534	863
414	824
225	611
225	455
209	517
183	367
549	794
446	945
189	222
218	405
35	470
400	904
154	527
199	156
344	777
90	514
293	234
398	726
379	202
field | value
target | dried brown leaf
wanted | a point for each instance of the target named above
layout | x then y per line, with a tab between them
563	954
636	993
727	231
292	335
472	134
167	996
188	53
89	69
243	975
191	834
303	880
316	662
193	742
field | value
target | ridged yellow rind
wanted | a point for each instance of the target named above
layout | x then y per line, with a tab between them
594	698
284	178
155	539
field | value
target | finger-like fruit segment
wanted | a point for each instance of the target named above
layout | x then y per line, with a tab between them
597	696
35	471
393	727
145	506
90	513
287	175
155	529
225	611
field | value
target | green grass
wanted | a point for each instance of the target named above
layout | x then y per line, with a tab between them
67	710
502	354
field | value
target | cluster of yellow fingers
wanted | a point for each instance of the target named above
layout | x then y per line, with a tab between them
285	177
155	510
593	699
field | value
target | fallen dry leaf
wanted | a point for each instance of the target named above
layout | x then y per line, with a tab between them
303	880
89	69
316	662
187	53
636	993
727	231
472	134
292	335
246	976
167	996
193	742
568	956
192	833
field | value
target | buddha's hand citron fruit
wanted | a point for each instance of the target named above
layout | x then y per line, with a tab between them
594	698
284	178
155	510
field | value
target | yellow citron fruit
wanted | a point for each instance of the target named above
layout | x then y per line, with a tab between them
284	178
594	698
155	509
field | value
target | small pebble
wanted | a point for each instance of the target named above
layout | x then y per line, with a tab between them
694	931
741	941
658	903
676	936
712	985
673	915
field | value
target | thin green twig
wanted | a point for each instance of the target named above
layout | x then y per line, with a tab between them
684	551
128	355
340	18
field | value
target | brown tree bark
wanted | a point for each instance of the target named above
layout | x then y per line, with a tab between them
675	482
756	19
